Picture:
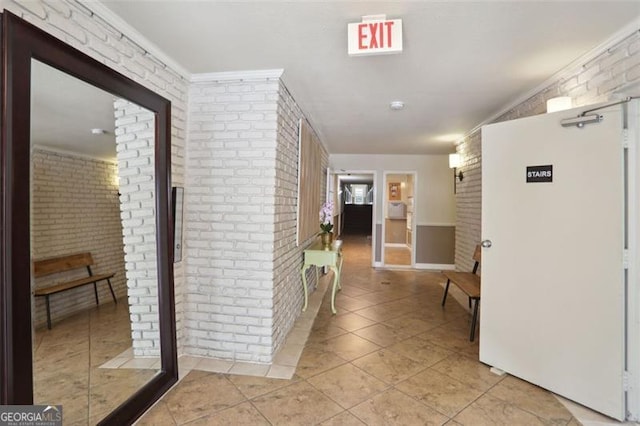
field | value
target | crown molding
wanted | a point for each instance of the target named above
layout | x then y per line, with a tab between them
68	153
134	35
619	36
236	75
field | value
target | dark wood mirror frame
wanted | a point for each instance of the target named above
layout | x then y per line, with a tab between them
22	42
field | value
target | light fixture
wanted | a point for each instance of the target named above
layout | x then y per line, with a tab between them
396	105
559	103
449	137
97	131
454	163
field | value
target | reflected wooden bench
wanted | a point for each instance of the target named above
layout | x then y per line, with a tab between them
60	264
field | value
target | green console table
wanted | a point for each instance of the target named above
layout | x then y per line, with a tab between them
317	255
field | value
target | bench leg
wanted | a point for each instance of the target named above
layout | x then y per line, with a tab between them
112	293
474	320
95	289
46	298
446	290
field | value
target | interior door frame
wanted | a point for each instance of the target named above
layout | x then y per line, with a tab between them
383	237
633	271
21	43
374	176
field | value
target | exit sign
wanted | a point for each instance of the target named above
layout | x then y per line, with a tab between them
375	35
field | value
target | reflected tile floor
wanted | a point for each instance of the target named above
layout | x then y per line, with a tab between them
67	360
391	356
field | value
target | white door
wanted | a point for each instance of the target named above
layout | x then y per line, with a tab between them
553	302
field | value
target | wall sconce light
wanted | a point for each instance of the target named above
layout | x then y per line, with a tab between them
559	104
454	163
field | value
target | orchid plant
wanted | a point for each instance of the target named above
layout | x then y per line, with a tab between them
326	217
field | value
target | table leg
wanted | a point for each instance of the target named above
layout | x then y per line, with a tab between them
336	284
304	285
48	312
315	286
339	272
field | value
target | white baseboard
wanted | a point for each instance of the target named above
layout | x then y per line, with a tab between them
399	245
436	266
398	267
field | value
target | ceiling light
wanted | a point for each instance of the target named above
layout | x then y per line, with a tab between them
450	137
396	105
98	131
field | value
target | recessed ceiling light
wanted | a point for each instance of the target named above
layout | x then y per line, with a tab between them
98	131
450	137
396	105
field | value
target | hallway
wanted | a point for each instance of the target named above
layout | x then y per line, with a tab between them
392	355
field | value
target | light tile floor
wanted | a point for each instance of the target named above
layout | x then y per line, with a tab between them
392	355
284	363
67	360
397	255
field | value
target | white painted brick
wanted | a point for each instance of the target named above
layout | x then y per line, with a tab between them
37	9
633	73
227	163
68	27
104	50
59	7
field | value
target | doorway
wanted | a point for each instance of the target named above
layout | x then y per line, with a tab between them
355	201
398	223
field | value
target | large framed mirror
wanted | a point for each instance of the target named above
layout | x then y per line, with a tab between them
112	188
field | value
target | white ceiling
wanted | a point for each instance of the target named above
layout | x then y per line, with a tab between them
65	109
462	61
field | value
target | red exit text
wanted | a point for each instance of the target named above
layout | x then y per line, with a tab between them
375	35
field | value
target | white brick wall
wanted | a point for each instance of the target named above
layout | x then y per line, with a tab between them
594	81
243	288
135	151
74	205
229	219
288	258
79	26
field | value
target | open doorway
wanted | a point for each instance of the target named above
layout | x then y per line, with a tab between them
355	205
398	223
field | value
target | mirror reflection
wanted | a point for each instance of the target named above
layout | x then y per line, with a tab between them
93	246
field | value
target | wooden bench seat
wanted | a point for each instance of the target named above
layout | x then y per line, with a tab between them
469	284
60	264
72	284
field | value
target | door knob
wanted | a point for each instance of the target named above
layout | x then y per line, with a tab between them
486	243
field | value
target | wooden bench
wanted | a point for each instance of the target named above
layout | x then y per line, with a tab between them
56	265
469	284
